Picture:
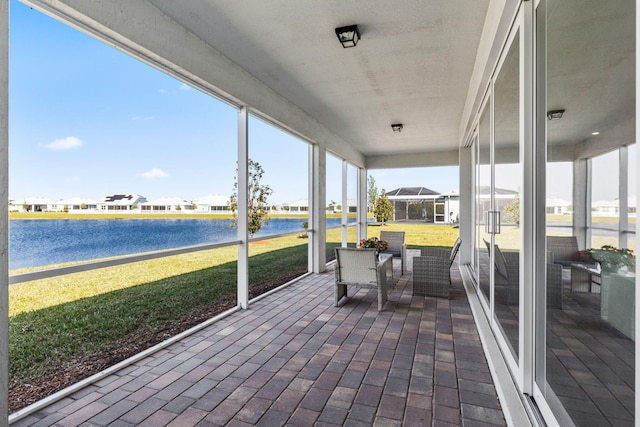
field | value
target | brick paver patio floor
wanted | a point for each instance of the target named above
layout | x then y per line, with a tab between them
295	359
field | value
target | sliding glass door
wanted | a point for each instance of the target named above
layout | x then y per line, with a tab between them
585	373
498	177
555	170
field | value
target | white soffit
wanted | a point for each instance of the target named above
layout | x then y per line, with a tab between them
412	65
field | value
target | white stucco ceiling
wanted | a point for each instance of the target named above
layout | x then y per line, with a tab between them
412	66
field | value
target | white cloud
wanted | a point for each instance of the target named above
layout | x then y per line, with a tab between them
185	86
154	173
64	144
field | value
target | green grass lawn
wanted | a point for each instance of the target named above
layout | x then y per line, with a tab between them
140	215
419	235
89	312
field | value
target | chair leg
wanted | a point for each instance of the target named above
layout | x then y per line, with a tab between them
382	293
339	292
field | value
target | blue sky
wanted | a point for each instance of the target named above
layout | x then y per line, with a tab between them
87	121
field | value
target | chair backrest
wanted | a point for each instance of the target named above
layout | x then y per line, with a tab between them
357	266
498	260
394	238
454	250
563	247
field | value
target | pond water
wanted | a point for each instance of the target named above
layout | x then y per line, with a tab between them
43	242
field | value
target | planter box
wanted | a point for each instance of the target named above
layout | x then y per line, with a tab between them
618	301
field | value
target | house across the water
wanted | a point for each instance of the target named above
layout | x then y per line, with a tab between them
424	204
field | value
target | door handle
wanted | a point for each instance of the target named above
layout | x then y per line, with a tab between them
492	224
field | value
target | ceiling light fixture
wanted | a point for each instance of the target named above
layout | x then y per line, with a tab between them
348	36
555	114
397	127
595	133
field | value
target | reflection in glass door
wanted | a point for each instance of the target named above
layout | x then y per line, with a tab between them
498	177
483	203
585	373
506	195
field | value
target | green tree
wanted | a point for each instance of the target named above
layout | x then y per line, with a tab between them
512	210
383	208
372	191
258	208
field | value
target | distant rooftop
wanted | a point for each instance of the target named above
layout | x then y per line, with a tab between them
412	192
117	197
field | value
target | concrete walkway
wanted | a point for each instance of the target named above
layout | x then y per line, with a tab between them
294	359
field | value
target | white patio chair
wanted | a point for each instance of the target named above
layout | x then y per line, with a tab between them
397	246
359	267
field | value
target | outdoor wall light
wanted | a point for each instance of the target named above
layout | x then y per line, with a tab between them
348	36
397	128
555	114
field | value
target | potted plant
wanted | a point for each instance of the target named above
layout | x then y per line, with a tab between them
612	258
374	242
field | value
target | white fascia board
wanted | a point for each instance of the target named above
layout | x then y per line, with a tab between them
500	15
140	29
414	160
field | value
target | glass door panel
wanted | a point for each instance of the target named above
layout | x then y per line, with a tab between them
483	202
506	195
585	374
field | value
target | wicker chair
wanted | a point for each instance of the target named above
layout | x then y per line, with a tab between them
359	267
507	279
397	246
564	249
432	271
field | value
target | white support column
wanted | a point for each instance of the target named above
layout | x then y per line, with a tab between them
317	209
466	205
363	206
345	207
623	198
243	217
582	202
4	211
